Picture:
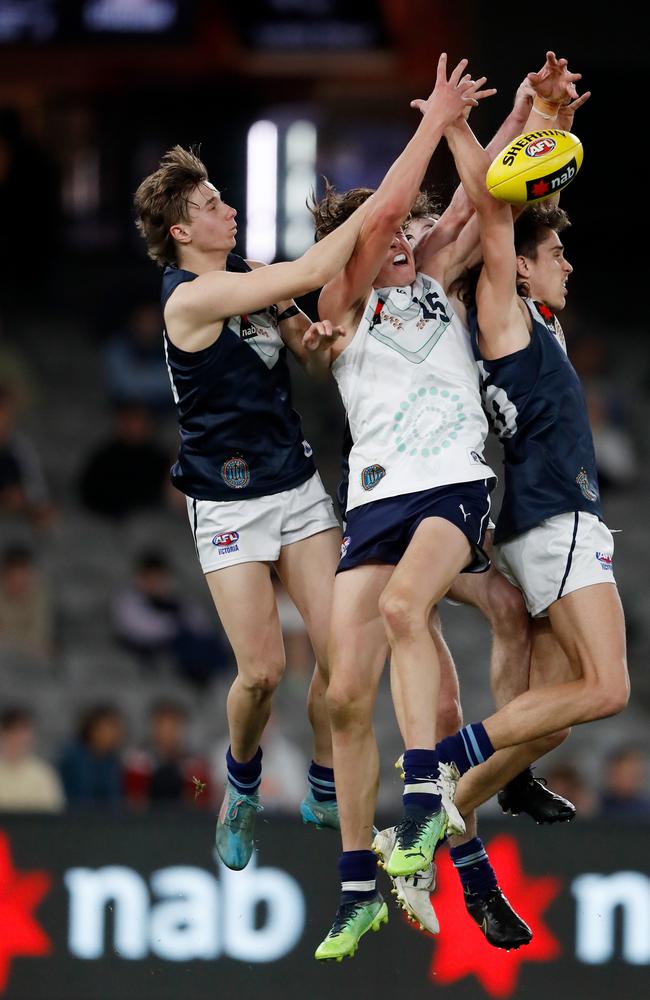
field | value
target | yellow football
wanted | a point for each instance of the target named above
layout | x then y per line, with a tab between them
534	166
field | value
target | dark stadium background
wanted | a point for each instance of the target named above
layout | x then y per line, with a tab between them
86	109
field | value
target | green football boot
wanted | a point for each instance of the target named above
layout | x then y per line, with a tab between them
352	921
416	840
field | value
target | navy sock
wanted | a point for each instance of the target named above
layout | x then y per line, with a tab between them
467	748
420	771
321	782
474	868
245	777
358	871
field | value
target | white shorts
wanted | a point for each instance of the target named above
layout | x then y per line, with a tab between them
228	532
562	554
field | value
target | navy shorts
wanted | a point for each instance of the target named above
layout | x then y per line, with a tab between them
381	531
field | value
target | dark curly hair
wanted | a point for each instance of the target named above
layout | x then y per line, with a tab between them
531	229
427	205
333	208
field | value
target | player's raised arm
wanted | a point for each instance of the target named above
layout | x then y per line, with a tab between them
214	295
393	200
460	209
503	328
538	101
550	87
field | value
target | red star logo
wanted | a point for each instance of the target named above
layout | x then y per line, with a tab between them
539	188
544	311
461	950
19	895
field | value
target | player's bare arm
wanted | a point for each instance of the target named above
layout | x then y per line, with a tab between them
553	85
502	321
460	210
309	342
195	310
540	93
292	323
344	297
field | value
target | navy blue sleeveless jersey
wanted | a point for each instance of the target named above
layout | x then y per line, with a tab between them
535	403
239	434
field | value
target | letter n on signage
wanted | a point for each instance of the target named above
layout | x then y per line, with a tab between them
598	897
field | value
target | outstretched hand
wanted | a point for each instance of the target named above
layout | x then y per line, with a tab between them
524	96
321	335
567	111
452	98
554	83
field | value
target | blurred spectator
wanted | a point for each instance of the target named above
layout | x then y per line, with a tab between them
90	766
165	771
134	361
151	619
15	374
626	783
297	646
22	484
615	454
26	621
27	783
129	471
284	769
566	780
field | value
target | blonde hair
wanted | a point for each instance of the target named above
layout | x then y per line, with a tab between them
162	198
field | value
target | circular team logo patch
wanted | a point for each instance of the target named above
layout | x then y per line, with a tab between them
235	473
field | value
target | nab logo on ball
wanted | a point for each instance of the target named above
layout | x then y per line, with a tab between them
540	147
551	183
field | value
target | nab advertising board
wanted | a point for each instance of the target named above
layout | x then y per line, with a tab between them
95	908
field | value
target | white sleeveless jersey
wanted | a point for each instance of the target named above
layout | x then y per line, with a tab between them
410	386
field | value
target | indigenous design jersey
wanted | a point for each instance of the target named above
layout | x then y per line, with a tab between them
409	384
535	403
239	435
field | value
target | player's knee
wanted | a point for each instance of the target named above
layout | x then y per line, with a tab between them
262	679
450	718
507	610
348	704
399	613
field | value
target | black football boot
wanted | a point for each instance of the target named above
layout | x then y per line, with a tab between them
497	919
527	794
